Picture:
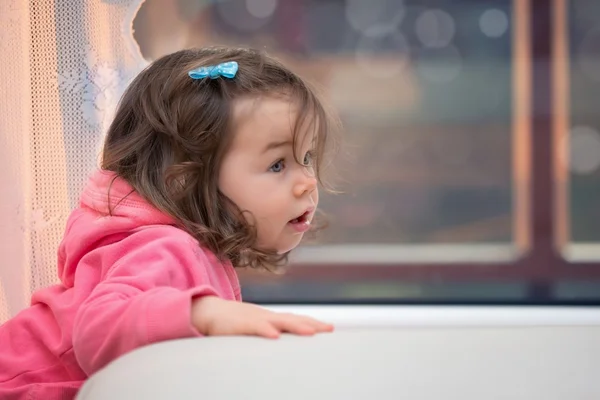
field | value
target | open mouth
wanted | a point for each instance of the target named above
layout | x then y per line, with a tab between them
301	223
301	219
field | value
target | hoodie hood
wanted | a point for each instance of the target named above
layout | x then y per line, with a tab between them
107	194
109	210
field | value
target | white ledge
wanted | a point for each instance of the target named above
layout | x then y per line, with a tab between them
445	316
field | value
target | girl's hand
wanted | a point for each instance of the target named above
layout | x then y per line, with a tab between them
213	316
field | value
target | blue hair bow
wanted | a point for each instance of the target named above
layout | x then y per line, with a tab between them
227	69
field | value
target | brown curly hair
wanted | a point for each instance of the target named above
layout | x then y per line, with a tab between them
170	134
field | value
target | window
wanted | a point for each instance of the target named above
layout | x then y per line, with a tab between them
458	116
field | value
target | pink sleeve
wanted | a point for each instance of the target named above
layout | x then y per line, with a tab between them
145	298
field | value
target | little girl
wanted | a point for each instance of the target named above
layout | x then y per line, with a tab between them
212	163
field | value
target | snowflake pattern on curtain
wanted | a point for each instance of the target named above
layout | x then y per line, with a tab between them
74	60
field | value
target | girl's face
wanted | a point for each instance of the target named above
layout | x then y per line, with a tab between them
260	175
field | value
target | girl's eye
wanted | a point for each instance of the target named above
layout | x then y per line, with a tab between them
277	167
308	159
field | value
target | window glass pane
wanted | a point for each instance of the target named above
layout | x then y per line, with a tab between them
424	92
584	121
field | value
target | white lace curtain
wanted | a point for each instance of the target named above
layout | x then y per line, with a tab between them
63	66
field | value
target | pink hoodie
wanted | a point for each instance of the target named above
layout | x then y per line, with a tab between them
127	280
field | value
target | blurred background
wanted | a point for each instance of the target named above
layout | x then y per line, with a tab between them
471	167
470	173
424	90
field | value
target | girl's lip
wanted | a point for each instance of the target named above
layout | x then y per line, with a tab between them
300	227
307	214
304	224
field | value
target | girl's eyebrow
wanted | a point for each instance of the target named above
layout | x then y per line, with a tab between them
275	145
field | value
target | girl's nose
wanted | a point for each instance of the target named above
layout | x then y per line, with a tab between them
307	183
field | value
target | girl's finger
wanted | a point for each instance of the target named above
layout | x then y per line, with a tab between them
294	325
264	329
319	326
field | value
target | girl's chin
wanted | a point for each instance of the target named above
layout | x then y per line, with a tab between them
282	248
286	250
